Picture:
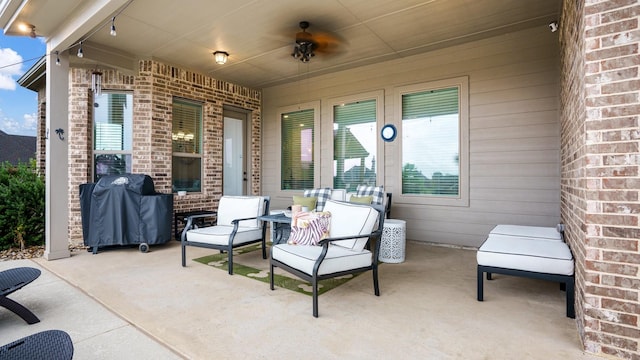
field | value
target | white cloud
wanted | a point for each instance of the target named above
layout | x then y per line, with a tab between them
9	57
27	127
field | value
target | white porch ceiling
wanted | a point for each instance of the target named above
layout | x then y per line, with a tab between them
259	34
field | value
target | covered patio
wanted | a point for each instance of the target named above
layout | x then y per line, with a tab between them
427	309
545	132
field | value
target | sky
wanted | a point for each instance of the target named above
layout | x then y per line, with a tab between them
18	106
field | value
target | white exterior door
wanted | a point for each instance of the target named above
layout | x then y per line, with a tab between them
234	170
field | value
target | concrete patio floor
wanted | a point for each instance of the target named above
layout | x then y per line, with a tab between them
123	304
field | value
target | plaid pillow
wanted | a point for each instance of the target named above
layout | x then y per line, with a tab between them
322	194
376	191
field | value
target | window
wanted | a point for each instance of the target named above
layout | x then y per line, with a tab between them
112	134
434	141
297	153
186	140
354	144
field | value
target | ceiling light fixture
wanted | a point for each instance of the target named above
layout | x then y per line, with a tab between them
304	47
221	57
28	28
80	53
113	26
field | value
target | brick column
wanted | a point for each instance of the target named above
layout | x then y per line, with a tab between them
600	169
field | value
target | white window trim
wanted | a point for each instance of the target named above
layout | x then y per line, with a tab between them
312	105
93	131
199	155
463	197
378	96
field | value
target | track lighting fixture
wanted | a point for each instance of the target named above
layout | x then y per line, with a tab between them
80	53
57	58
113	26
220	57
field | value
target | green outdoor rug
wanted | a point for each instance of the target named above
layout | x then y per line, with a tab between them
248	261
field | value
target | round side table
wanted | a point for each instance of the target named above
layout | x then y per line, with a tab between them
393	241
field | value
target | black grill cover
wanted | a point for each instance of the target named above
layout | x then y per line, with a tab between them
125	210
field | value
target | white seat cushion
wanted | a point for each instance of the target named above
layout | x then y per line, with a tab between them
529	254
304	257
549	233
351	219
240	207
219	235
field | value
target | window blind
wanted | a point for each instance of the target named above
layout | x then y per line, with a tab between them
354	144
430	142
297	130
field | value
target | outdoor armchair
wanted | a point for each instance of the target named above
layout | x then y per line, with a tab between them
354	229
237	225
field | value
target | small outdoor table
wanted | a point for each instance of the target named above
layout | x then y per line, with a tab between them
183	217
282	227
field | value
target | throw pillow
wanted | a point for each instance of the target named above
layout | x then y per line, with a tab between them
308	228
322	194
376	191
309	202
361	199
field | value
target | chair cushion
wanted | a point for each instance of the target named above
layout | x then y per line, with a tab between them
338	258
240	207
309	228
351	219
529	254
549	233
309	202
322	194
219	235
376	191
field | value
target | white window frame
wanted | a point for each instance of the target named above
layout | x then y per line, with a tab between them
312	105
378	96
462	83
95	152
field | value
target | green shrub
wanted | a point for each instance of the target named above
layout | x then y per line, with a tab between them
22	206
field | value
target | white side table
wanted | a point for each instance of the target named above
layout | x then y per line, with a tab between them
393	241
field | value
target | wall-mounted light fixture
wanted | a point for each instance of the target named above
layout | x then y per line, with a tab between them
57	58
221	57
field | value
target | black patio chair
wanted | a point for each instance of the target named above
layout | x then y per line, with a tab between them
12	280
49	344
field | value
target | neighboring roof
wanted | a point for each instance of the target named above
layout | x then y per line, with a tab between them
16	148
35	78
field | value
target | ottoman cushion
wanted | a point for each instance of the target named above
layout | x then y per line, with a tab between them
524	253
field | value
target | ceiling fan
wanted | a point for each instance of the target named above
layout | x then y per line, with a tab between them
307	44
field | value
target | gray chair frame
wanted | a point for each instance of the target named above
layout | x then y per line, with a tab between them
15	279
230	245
314	277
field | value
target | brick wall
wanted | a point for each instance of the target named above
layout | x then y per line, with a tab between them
154	88
41	133
600	169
